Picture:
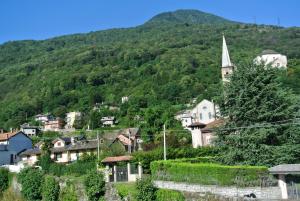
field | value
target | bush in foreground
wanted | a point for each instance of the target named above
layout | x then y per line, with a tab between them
68	193
50	189
4	180
169	195
146	191
31	181
94	185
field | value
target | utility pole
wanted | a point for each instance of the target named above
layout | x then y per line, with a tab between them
98	151
165	146
98	146
129	146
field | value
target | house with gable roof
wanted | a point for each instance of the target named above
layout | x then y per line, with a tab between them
11	145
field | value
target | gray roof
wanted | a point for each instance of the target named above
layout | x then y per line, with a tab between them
285	169
81	145
28	152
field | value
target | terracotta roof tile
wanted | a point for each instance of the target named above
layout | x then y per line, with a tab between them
6	136
116	159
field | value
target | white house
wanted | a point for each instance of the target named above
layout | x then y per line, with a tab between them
270	57
43	117
205	112
71	117
108	121
64	150
30	131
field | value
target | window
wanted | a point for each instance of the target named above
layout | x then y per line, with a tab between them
200	116
204	107
58	156
58	144
209	115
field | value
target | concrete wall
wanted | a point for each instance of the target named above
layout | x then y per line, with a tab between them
230	191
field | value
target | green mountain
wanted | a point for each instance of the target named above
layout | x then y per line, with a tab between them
156	66
187	17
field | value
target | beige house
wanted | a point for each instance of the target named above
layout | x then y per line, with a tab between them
71	117
64	150
54	125
204	134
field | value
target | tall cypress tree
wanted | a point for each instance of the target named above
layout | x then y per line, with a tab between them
260	114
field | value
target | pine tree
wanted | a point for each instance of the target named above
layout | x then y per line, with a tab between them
260	116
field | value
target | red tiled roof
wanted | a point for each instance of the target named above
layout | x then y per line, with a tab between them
116	159
6	136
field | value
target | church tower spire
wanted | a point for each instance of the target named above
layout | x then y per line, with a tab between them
227	67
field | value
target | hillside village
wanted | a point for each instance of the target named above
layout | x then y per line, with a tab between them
116	149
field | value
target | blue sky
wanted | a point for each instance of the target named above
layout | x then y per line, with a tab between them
41	19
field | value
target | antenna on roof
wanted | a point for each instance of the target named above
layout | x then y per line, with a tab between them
254	19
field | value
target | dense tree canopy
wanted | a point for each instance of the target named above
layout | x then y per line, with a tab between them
154	64
261	118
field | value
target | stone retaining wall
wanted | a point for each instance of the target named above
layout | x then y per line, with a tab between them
268	193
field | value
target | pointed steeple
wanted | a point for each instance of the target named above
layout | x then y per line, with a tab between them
225	55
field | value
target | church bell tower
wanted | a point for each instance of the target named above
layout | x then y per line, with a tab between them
227	67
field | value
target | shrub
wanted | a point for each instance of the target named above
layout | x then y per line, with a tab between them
68	193
145	190
207	173
146	157
77	168
4	180
31	181
126	190
50	189
10	195
94	185
169	195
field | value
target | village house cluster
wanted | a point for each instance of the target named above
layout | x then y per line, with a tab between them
202	120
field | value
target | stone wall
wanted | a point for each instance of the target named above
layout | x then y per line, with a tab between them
267	193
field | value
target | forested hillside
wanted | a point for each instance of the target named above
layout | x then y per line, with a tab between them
169	60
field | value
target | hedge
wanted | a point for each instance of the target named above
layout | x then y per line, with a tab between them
146	157
169	195
207	173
